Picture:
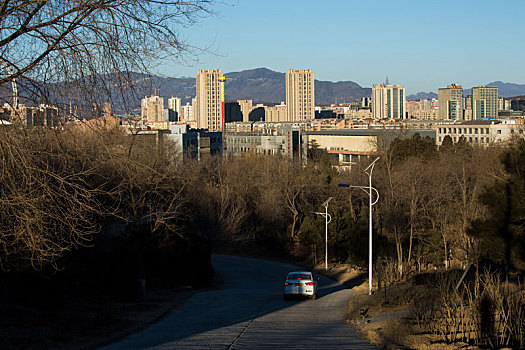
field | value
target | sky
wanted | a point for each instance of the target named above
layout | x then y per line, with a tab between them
422	45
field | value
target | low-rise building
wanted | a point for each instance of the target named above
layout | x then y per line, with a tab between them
189	143
286	139
349	145
480	132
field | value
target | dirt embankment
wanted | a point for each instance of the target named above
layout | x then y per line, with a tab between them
384	318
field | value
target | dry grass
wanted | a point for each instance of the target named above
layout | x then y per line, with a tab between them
386	322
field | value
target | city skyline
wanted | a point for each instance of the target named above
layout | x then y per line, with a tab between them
412	44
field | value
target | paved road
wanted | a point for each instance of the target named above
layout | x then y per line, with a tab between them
250	313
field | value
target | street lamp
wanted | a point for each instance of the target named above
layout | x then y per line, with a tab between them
327	219
368	190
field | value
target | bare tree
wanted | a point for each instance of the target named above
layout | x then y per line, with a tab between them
81	42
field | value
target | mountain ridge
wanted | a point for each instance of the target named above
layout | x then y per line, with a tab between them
259	84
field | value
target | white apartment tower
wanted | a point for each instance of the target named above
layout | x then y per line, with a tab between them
208	109
451	102
186	113
388	101
174	103
151	108
300	95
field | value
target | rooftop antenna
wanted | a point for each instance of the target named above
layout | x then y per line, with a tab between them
386	81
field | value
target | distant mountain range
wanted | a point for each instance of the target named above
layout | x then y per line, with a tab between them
262	85
422	96
504	90
265	85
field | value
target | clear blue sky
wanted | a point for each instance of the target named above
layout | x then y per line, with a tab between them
422	45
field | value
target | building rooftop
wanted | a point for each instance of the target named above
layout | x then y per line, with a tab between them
372	132
481	122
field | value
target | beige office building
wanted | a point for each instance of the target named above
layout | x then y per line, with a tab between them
484	102
388	101
207	109
451	102
276	113
246	108
151	108
300	95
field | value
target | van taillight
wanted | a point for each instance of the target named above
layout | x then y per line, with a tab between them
309	283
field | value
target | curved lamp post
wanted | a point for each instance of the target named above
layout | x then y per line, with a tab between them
368	190
327	219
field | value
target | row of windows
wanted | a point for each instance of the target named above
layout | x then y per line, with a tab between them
484	140
464	131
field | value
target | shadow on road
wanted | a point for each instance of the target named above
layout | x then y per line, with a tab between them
252	289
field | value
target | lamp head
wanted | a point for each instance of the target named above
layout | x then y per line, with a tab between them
370	165
325	204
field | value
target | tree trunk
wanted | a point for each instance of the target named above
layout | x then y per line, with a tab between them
399	248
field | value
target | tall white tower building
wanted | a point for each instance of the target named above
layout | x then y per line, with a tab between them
300	95
208	108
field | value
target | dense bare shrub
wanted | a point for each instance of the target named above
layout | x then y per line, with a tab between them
484	312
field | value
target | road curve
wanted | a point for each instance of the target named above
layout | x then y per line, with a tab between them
249	313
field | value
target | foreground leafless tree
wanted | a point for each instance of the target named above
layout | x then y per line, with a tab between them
80	43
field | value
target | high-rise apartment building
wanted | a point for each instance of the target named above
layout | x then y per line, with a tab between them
208	108
151	108
388	101
484	102
300	95
451	102
174	104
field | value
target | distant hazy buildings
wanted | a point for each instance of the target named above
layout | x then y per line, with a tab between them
504	104
388	101
451	102
425	109
300	100
518	105
151	108
484	102
208	109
